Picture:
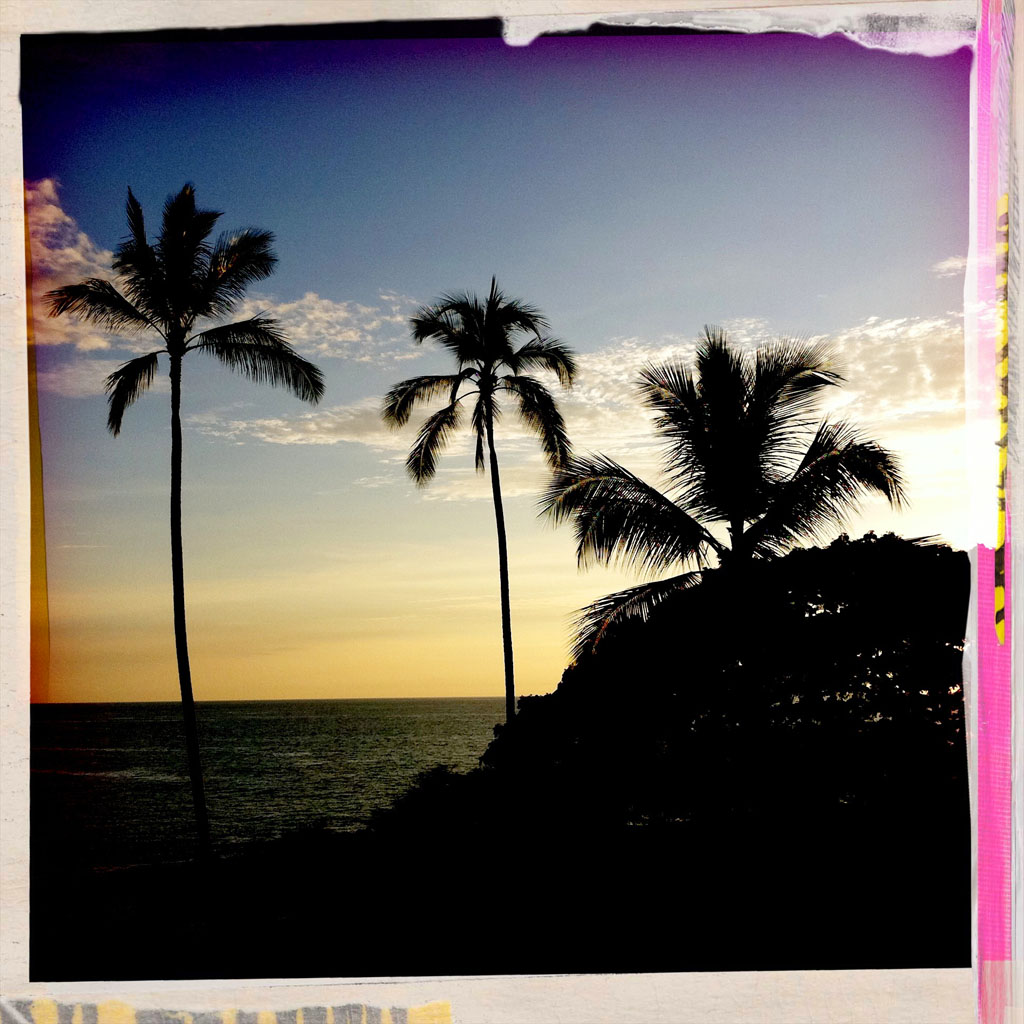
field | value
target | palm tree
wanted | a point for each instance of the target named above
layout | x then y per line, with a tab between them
481	336
743	452
167	288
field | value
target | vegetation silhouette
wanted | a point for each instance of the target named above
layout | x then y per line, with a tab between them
481	336
168	288
671	806
798	801
741	449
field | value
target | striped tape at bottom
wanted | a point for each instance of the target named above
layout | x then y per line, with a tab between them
48	1011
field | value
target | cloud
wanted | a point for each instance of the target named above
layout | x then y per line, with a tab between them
61	254
323	328
459	480
318	327
83	378
901	374
372	482
896	370
60	251
952	266
358	422
899	371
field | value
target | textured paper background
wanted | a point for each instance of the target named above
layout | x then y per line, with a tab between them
868	996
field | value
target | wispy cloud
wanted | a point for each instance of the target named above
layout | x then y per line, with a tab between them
324	328
894	369
373	482
318	327
358	422
901	370
952	266
522	478
902	375
78	379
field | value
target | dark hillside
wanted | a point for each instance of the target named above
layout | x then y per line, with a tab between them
765	777
780	770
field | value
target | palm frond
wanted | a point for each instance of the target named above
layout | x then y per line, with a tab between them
99	302
448	329
839	467
139	268
257	349
236	261
474	330
478	419
788	378
538	411
636	604
136	220
467	309
737	425
618	516
477	332
478	453
125	385
731	470
789	375
513	316
402	398
671	391
546	354
184	253
185	229
724	376
433	437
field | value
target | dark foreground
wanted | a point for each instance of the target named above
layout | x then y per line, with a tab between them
828	896
697	797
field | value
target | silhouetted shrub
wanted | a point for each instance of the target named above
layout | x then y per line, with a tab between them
829	678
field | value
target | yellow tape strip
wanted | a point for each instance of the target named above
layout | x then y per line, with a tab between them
1002	403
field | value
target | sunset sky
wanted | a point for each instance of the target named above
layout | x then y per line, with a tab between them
633	188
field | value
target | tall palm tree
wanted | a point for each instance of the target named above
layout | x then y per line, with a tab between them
743	453
482	337
168	288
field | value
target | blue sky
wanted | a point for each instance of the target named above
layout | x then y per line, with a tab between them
634	188
605	177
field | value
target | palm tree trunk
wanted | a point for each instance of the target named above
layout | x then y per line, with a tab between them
506	609
188	706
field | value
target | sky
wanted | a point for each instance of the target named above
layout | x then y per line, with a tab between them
633	188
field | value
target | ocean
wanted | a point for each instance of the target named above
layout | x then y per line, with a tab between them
110	782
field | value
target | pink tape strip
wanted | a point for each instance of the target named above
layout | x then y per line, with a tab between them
994	797
994	696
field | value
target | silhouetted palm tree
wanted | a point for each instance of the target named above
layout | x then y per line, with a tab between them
168	288
481	337
742	450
